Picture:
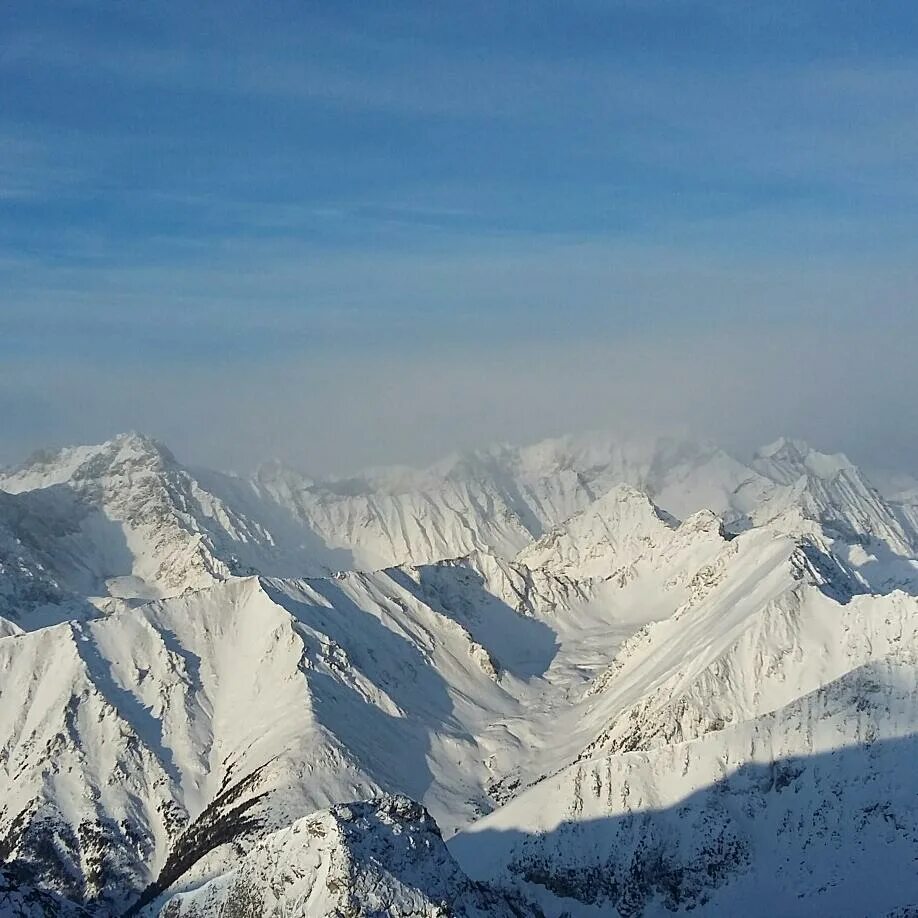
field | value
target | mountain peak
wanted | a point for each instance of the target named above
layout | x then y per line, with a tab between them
784	447
57	466
137	441
624	492
125	453
608	534
785	460
386	850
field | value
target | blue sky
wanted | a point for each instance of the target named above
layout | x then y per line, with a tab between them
305	211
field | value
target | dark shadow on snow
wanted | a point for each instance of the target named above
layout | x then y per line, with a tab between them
828	834
518	643
391	748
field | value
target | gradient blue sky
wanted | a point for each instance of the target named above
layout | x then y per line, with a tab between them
358	232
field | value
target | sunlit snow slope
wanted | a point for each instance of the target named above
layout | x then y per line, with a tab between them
621	678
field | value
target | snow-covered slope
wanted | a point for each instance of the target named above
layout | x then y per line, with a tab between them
609	534
526	641
380	522
141	525
798	812
621	530
122	734
135	742
833	491
762	637
901	493
32	576
380	857
137	521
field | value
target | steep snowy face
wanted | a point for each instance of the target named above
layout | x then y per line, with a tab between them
900	491
31	577
786	460
610	534
380	857
623	535
379	528
127	521
139	745
779	664
499	500
494	501
795	812
618	711
229	712
686	477
122	734
831	490
480	578
139	525
767	628
136	519
558	478
905	507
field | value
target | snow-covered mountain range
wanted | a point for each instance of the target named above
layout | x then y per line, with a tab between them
584	677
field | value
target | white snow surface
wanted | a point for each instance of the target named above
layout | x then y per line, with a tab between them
379	857
621	678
